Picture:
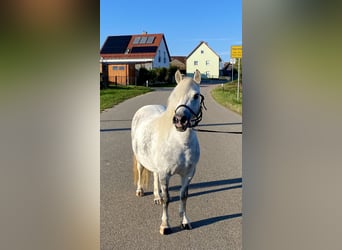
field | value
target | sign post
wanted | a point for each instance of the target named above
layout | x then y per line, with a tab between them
236	52
232	62
238	85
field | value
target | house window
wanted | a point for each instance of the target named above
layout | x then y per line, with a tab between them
195	62
202	51
164	57
207	62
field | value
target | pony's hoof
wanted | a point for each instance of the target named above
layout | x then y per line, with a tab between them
139	193
165	230
186	226
157	201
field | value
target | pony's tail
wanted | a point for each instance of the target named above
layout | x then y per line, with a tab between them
145	173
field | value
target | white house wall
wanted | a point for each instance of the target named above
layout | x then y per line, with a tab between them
208	62
162	57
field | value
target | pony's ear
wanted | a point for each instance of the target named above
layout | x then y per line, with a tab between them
197	76
178	76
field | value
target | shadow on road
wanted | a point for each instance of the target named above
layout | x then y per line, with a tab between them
220	124
114	129
206	222
233	183
207	185
199	130
122	120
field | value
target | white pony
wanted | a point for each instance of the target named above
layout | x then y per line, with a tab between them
164	143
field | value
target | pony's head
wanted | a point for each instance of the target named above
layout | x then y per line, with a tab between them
186	101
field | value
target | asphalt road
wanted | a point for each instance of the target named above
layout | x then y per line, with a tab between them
215	194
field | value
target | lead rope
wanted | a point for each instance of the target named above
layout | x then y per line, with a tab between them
199	118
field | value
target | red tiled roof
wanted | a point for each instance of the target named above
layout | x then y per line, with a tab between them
179	58
146	49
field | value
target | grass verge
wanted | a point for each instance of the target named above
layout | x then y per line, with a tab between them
227	96
116	94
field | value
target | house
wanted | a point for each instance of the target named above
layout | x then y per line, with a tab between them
205	59
179	62
123	56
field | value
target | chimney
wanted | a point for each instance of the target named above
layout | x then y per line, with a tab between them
144	32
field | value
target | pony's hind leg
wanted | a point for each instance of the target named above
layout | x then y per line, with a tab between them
138	170
156	192
140	191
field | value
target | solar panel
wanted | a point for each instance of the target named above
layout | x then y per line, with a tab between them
150	39
145	49
136	40
143	40
115	45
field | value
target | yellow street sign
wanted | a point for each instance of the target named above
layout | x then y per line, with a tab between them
236	51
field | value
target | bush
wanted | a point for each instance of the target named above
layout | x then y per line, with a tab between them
161	75
143	76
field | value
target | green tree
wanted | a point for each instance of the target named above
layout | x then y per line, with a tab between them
144	75
162	75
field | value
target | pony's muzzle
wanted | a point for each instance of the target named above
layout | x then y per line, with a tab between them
181	122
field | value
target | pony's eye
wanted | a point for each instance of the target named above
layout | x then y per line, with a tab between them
196	96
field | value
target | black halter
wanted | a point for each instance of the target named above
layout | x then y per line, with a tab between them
196	118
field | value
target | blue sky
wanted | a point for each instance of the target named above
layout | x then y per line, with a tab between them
184	23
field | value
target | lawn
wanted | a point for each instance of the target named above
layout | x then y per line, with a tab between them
227	96
116	94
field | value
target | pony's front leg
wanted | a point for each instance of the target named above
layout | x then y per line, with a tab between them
185	223
164	183
156	192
